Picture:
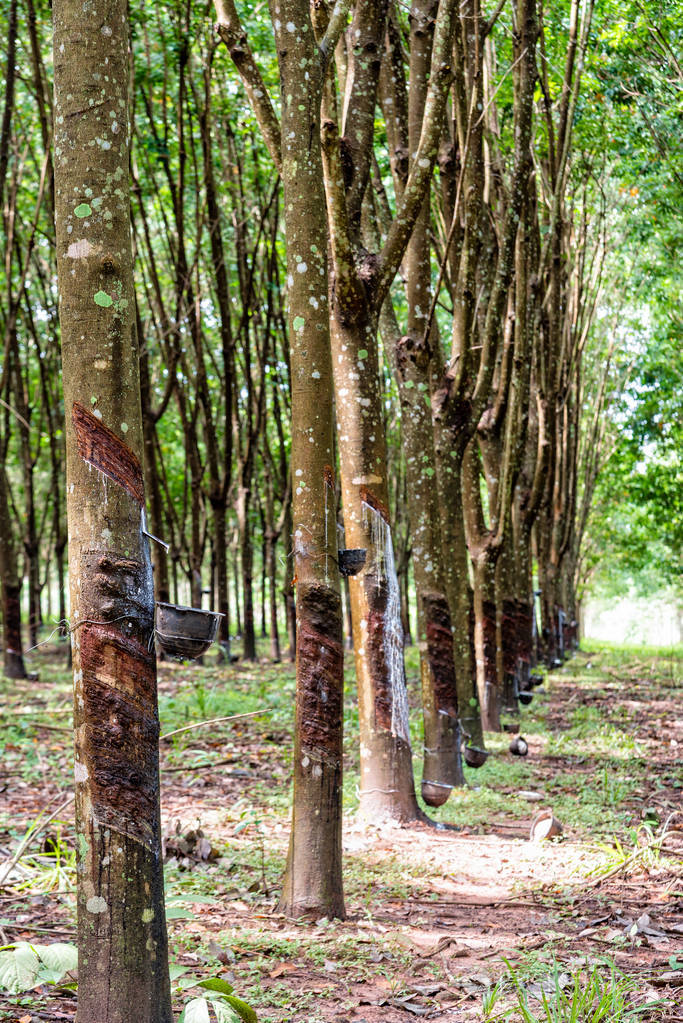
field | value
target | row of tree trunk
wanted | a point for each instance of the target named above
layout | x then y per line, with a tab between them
197	400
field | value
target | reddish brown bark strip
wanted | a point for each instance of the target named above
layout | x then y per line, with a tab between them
101	448
367	497
524	629
440	651
510	637
320	659
375	649
12	618
489	625
121	734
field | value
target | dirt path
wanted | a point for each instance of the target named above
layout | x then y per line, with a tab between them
435	918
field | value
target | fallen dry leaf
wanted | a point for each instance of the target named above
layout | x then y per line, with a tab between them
282	968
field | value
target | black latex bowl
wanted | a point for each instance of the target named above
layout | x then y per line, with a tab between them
475	757
525	698
351	560
185	632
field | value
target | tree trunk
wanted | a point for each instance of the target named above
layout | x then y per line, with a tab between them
218	508
456	573
312	885
275	652
13	658
387	788
247	573
507	624
156	525
123	954
442	768
488	683
288	587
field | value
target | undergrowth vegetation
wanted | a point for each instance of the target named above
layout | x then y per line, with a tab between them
595	758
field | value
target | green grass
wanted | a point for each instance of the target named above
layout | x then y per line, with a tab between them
555	993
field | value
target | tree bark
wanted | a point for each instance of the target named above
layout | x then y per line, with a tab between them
359	284
414	355
123	954
13	658
312	884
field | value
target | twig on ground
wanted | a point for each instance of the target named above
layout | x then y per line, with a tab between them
213	721
31	834
207	764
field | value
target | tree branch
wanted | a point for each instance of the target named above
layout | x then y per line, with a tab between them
425	158
335	27
231	32
346	277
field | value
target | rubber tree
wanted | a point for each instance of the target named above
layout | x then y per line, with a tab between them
466	393
312	883
414	357
10	580
123	956
13	659
360	282
551	529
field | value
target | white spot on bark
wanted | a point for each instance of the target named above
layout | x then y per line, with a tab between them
96	904
79	249
365	480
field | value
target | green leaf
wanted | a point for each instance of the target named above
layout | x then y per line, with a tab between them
175	970
216	984
57	960
178	913
243	1010
19	967
191	980
196	1011
172	900
224	1014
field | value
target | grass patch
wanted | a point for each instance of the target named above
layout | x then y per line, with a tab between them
555	993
